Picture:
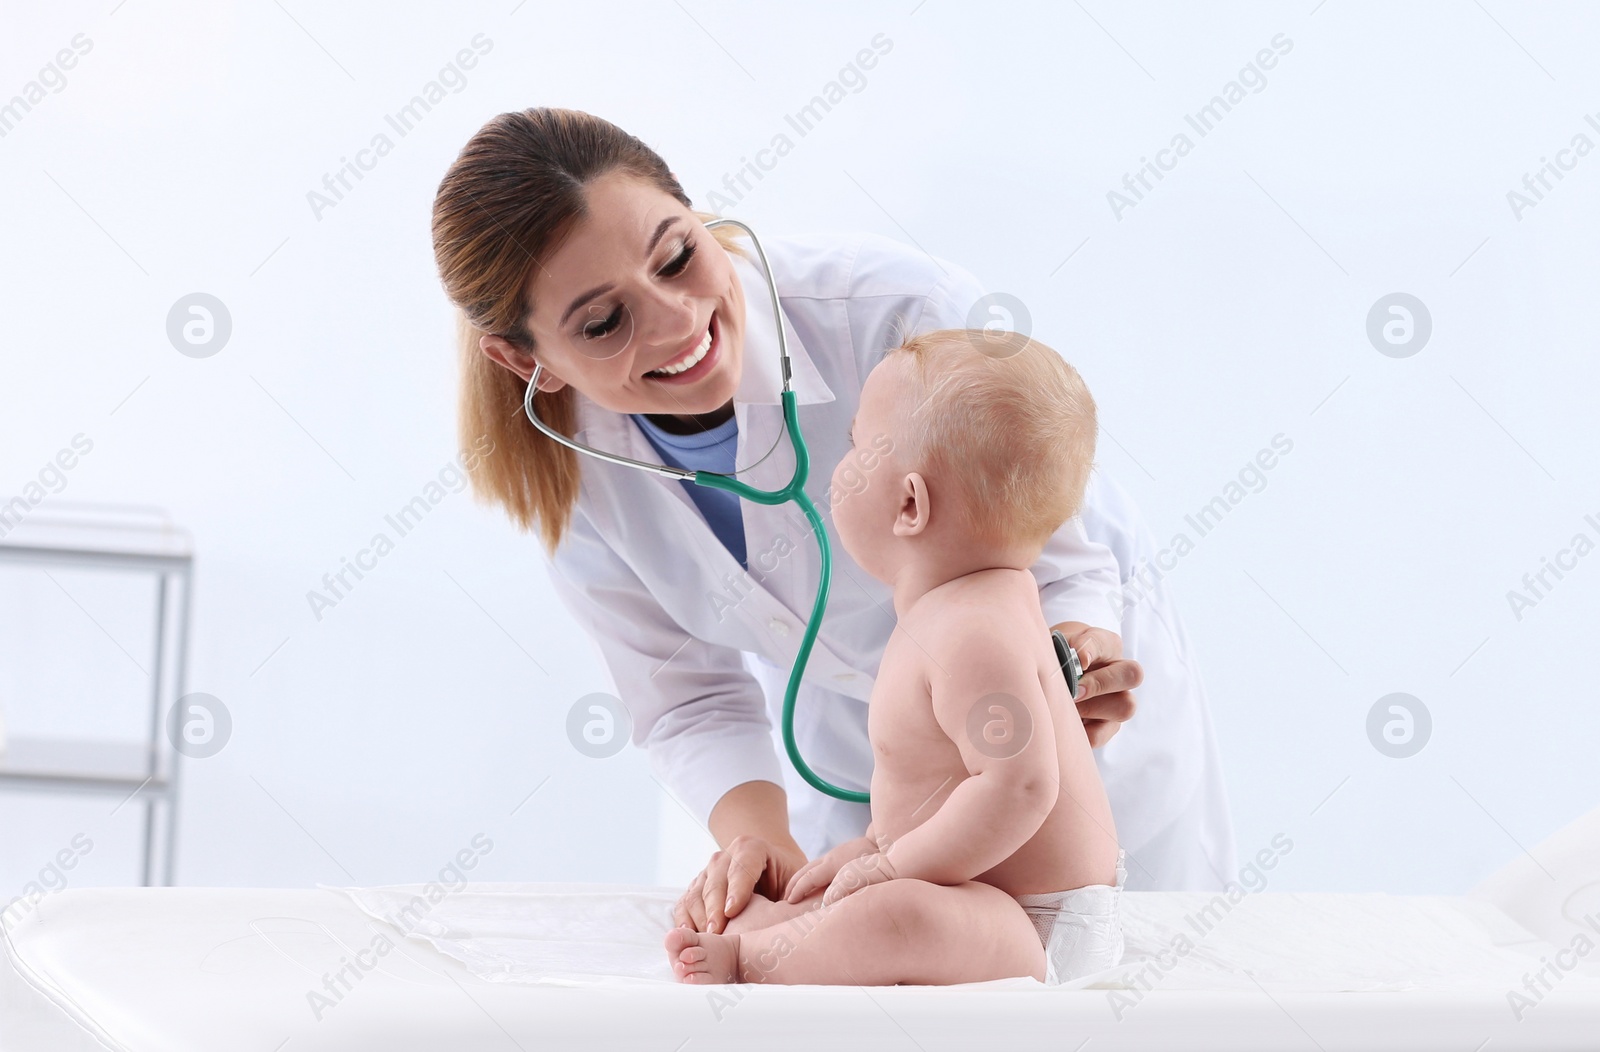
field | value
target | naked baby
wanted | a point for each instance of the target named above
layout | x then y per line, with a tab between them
991	852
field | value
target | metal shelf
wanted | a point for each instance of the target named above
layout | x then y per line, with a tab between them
81	764
118	538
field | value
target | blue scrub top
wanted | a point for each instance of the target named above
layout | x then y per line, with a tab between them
709	450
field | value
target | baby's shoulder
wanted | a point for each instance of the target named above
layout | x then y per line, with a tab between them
990	608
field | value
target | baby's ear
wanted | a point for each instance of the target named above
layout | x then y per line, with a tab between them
915	506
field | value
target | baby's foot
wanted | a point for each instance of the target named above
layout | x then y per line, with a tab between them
700	957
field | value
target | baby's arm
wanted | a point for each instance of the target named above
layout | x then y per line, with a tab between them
1010	754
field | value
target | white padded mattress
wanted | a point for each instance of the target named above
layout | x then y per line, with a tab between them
567	966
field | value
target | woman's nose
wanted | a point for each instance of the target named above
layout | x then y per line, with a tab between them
673	318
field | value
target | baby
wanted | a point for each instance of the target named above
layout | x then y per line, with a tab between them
991	852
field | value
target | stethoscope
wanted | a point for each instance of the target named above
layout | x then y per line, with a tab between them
794	491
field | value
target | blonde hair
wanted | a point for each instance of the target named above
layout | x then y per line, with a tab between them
1008	421
510	198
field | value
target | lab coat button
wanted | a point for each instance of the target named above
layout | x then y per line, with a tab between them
778	627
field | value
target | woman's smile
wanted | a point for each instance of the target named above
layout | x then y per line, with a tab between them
696	362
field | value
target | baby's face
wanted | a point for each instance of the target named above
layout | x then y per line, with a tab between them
869	487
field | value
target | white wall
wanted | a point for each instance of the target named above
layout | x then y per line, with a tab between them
1226	307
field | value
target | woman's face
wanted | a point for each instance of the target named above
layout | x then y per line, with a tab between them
639	286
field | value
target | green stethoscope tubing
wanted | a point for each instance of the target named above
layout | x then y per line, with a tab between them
794	491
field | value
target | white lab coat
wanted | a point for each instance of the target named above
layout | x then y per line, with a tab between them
700	648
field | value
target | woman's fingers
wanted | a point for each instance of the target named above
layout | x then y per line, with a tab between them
691	907
1105	690
747	860
724	888
1094	645
1104	715
691	911
1100	731
1118	707
1113	677
714	895
1105	698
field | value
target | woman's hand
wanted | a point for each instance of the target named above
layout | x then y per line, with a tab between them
724	887
1105	690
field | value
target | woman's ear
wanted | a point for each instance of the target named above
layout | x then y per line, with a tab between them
504	353
915	506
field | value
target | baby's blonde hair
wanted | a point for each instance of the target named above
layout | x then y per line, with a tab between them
1004	422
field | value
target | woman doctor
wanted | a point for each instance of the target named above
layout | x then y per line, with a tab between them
565	241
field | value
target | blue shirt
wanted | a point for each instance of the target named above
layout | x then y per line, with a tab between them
709	450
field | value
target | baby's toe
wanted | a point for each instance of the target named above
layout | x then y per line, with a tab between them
678	942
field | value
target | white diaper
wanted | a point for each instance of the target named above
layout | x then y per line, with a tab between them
1080	929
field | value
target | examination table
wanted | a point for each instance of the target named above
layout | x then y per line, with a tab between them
559	966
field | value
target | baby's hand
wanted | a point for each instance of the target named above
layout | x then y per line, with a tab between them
859	873
820	870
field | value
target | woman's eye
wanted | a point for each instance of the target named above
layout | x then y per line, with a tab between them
680	262
595	332
677	266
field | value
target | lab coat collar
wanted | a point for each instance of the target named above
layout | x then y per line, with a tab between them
761	381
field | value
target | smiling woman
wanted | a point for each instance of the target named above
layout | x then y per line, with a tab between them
488	242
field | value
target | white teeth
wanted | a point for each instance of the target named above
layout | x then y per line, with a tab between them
686	363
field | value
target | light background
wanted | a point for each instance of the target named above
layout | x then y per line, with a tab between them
1227	307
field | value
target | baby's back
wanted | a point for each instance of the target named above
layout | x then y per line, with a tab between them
969	682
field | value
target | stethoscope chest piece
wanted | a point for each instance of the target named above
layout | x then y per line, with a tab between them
1067	658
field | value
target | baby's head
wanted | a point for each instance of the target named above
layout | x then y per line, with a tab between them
971	443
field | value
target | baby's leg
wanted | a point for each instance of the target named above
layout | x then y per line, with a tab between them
762	912
900	931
